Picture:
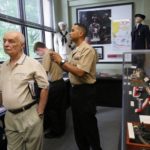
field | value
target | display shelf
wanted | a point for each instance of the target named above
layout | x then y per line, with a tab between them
132	145
136	100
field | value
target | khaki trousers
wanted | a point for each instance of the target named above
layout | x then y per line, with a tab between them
24	130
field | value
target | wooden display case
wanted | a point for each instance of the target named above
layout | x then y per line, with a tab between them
135	146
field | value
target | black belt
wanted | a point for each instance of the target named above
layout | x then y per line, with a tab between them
82	85
52	82
16	111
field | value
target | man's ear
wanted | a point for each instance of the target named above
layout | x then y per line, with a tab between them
23	45
81	33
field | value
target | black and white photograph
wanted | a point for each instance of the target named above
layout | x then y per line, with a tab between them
100	52
98	24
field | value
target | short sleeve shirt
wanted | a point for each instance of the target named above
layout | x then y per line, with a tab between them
14	81
84	58
54	70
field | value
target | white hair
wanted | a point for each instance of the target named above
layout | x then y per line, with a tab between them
22	38
18	34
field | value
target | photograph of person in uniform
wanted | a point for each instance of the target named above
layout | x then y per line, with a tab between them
98	24
94	29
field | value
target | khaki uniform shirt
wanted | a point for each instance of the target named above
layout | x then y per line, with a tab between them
83	57
14	81
53	69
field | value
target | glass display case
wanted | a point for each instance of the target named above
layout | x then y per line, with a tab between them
136	101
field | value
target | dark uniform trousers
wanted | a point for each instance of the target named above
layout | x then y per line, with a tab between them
84	120
55	112
138	60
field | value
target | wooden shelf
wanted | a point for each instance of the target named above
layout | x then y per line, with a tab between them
136	146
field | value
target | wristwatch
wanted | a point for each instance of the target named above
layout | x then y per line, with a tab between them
41	115
62	62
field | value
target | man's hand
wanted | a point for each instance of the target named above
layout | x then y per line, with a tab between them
67	66
56	57
39	110
42	102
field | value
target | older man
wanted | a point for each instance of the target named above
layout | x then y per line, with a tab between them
23	120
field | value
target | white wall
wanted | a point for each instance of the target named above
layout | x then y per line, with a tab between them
66	11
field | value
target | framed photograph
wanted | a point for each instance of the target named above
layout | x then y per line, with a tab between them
98	23
100	52
109	26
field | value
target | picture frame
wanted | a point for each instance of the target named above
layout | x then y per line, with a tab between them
109	26
98	24
100	52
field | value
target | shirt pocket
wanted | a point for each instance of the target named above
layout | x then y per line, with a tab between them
19	76
76	58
